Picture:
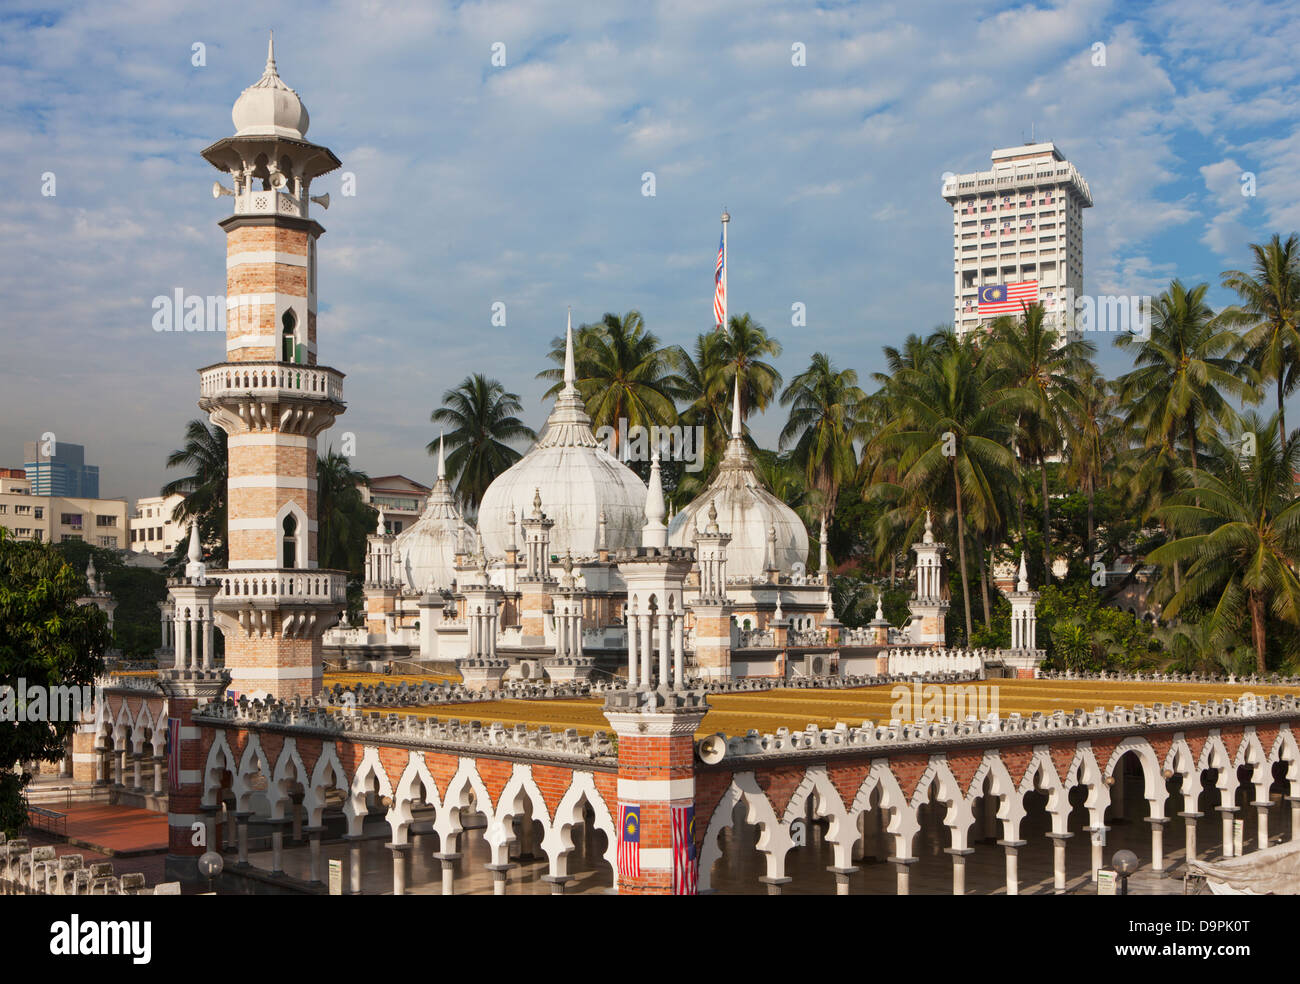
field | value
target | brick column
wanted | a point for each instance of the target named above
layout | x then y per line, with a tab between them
186	690
656	772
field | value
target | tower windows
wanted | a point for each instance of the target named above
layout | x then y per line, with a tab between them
289	542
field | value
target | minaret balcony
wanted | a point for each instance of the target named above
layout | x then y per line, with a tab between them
271	588
286	396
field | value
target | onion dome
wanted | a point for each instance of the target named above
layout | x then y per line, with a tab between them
268	107
765	532
578	481
425	553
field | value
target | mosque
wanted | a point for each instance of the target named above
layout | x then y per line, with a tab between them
619	676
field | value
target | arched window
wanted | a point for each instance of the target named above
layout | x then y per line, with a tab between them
289	338
289	550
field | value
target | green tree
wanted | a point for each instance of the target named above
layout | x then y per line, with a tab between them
953	433
1185	373
1237	527
745	345
343	518
1269	309
47	640
826	415
204	488
1044	364
479	417
1092	436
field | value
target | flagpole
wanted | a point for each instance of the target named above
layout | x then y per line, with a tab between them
726	300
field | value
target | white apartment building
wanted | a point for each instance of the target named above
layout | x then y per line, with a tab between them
56	518
402	499
152	528
1020	221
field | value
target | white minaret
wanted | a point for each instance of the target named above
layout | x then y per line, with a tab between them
1024	612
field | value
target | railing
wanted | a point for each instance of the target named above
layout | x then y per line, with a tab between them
280	587
807	637
756	639
270	381
26	870
268	203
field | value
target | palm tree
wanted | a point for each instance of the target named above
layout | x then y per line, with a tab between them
953	432
204	489
745	344
826	415
705	393
480	418
343	518
1091	433
1044	364
1185	369
623	373
1270	308
1238	529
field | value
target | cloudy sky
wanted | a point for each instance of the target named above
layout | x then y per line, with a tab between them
522	184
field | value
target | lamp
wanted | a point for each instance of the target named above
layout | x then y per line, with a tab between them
1125	863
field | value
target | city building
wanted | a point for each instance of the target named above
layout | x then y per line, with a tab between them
1020	222
402	500
59	468
54	518
152	528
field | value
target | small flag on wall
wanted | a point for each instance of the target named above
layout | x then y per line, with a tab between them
1008	298
686	865
629	841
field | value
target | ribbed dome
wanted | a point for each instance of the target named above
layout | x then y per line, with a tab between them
425	553
747	511
268	107
577	480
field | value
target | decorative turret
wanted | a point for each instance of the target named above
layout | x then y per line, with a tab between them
927	604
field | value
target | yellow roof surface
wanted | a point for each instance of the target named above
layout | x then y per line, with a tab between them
735	714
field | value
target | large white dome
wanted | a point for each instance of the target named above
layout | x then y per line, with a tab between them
577	480
268	107
425	553
748	512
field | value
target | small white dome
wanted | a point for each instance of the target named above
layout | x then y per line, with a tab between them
748	512
577	480
425	553
268	107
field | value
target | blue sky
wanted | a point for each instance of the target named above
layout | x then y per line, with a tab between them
522	184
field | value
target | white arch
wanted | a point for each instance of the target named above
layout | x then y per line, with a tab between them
218	754
568	812
773	839
354	807
327	766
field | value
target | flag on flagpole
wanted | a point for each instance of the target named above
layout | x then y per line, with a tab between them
629	841
720	282
686	865
173	753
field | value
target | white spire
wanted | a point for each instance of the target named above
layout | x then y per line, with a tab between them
270	55
655	533
379	526
735	410
929	529
1024	575
880	612
442	461
570	373
195	570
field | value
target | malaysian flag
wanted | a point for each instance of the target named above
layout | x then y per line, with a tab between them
686	864
720	283
1008	298
173	753
629	841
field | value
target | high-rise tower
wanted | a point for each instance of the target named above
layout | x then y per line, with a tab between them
1019	223
272	397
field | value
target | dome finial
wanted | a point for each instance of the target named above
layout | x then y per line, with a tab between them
270	55
379	525
929	529
1023	586
735	410
442	460
570	373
